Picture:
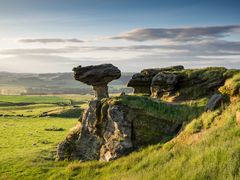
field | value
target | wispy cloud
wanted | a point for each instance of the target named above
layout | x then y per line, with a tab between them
178	34
215	47
51	40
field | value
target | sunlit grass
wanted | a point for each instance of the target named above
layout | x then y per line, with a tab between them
210	150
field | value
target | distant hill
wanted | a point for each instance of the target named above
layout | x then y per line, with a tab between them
53	83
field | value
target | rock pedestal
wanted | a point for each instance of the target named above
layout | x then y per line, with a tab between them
100	92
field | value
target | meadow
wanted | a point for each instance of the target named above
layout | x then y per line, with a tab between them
31	127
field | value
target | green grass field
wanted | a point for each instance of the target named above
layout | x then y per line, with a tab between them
27	146
208	147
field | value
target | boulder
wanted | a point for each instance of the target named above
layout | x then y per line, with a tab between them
213	102
163	82
98	76
141	82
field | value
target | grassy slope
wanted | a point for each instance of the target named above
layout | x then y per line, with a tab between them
213	152
208	148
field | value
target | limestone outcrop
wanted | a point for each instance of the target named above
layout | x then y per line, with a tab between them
112	127
179	83
98	76
164	82
141	82
109	129
190	83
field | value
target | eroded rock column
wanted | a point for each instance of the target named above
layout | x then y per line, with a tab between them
101	91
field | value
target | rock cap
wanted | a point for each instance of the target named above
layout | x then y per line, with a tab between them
96	75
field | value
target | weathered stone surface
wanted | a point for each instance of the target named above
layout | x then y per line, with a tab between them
187	84
88	142
98	76
142	81
101	91
213	102
118	134
110	130
179	84
163	82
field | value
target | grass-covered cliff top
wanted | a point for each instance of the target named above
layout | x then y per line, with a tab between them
173	112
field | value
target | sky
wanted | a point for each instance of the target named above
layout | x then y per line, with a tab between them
44	36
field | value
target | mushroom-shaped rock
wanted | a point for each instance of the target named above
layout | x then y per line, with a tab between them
98	76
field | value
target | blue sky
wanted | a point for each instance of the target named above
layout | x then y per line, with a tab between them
58	34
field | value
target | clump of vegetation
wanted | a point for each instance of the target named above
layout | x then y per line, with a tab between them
54	128
204	121
232	86
64	113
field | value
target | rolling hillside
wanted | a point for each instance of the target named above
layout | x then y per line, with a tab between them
55	83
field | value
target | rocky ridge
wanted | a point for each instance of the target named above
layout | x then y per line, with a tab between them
178	83
112	127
